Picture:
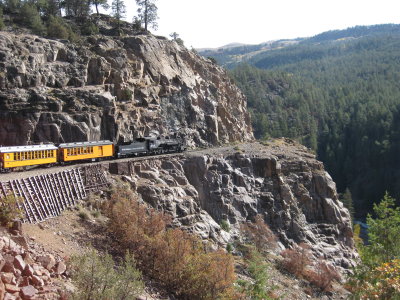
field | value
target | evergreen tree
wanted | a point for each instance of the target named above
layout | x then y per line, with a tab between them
41	5
1	19
118	10
30	17
99	3
383	233
11	6
77	8
347	200
147	11
53	8
176	38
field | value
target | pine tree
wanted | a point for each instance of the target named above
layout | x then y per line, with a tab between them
147	11
53	8
31	18
118	10
12	6
347	200
99	3
1	19
383	233
76	8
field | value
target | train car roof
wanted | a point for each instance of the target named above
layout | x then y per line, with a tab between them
27	148
85	144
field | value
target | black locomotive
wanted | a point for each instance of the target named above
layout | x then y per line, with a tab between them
150	145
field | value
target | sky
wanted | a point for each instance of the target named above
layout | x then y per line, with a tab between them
215	23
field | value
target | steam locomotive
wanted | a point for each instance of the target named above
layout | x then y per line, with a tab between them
17	157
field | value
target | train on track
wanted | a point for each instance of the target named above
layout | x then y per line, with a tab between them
21	157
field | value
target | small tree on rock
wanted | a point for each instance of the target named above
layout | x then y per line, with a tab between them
176	38
147	11
119	10
99	3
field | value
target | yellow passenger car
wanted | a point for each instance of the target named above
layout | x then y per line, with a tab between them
22	156
85	151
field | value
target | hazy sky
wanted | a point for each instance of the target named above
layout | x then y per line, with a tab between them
214	23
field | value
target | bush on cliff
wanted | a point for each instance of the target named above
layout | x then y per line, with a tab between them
178	260
9	210
258	269
97	277
56	28
259	234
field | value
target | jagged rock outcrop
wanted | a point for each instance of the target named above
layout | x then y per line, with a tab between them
114	88
282	182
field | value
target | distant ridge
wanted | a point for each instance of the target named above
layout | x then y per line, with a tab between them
227	46
234	53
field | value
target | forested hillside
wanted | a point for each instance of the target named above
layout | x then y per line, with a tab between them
339	94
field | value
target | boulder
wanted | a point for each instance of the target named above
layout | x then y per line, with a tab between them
48	261
60	268
11	288
28	292
2	290
8	278
19	263
37	281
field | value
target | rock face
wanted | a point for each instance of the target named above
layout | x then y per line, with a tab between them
282	182
114	88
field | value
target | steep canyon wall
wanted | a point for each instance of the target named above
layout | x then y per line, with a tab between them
284	183
115	88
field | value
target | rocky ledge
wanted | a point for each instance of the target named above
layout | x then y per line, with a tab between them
281	181
115	88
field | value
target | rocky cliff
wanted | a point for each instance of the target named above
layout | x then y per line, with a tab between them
282	181
114	88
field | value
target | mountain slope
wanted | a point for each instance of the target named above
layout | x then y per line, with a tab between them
337	93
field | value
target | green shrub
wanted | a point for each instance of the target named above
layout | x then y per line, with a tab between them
83	215
9	210
56	28
258	289
225	225
213	60
96	277
96	213
89	28
127	94
1	19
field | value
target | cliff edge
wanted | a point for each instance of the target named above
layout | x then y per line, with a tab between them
115	88
282	182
